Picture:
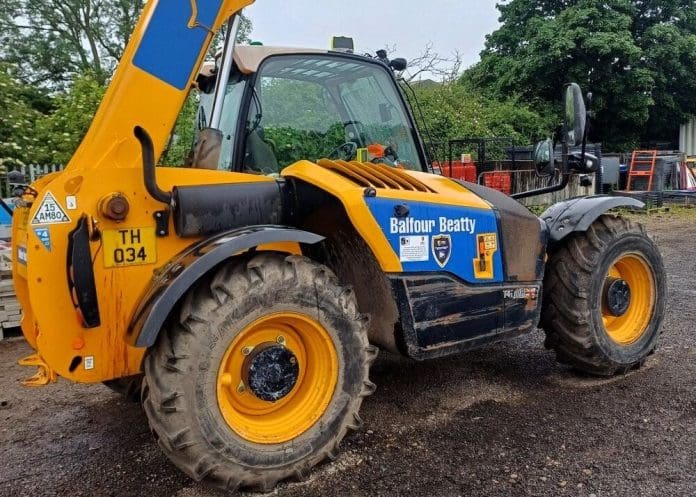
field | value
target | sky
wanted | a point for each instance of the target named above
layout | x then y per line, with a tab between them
408	25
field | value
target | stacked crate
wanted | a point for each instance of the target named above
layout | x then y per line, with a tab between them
10	311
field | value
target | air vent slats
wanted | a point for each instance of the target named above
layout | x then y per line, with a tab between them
366	174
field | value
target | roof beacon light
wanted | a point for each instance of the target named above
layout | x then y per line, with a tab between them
342	44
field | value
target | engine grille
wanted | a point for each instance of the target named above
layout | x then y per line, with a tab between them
368	174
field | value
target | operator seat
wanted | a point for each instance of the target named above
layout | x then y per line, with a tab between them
259	155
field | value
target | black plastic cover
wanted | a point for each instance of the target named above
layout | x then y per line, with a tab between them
209	209
83	290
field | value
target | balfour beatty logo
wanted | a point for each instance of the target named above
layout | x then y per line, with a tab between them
410	225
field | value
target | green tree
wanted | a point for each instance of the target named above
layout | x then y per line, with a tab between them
51	42
18	116
635	56
456	111
60	132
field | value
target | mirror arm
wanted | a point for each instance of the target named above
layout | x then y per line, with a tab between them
588	107
546	189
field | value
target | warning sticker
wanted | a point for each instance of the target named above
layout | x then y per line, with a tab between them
45	236
50	212
414	248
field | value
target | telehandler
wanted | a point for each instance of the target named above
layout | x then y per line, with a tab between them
246	295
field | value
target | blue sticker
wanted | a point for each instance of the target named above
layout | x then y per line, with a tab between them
437	237
45	236
22	254
174	39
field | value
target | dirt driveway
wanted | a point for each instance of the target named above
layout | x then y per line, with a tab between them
504	421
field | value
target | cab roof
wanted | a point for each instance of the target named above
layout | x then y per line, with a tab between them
249	57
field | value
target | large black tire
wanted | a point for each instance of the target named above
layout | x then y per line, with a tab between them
128	386
179	391
574	299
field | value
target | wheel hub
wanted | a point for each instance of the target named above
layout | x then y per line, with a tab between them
270	371
617	296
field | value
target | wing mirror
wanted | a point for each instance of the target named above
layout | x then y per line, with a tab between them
544	161
575	115
398	65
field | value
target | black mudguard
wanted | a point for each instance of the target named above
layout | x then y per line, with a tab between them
578	214
172	281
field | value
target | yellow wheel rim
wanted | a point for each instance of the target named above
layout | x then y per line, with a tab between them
633	323
268	422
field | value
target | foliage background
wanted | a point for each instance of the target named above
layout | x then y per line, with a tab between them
638	57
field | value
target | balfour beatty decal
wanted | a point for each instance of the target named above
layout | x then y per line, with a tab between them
437	237
410	225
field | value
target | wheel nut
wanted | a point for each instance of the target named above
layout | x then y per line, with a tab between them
280	340
293	360
226	380
247	350
241	388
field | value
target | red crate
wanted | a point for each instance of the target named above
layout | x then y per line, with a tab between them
459	170
499	180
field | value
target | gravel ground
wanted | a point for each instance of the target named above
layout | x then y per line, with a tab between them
503	421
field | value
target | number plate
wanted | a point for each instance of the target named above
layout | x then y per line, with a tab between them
129	247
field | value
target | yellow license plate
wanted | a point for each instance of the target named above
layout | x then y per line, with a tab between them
129	247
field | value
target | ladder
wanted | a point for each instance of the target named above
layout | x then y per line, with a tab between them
642	166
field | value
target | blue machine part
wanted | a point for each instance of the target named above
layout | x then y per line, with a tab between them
437	237
169	49
5	217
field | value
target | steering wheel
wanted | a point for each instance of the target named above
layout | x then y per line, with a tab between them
347	151
389	159
355	130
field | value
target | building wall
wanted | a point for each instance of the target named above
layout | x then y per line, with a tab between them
687	138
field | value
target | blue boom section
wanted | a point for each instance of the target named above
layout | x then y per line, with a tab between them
169	49
437	237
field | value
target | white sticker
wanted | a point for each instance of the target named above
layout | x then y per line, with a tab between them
22	254
50	212
89	362
414	248
71	202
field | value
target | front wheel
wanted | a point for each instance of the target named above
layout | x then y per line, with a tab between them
261	376
604	297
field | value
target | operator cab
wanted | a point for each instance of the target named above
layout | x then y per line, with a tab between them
285	105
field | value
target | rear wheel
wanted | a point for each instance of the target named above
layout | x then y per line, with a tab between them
262	375
604	297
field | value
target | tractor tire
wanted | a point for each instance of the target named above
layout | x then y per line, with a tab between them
604	297
261	376
128	386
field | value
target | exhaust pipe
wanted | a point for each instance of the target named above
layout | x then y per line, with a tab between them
149	167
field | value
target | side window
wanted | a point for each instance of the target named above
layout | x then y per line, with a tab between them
290	120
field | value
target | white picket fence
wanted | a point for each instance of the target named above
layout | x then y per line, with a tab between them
34	171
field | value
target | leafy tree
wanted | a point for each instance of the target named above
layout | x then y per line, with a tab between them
456	111
635	56
61	131
18	144
51	42
181	141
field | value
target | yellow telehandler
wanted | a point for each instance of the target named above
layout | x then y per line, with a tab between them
244	296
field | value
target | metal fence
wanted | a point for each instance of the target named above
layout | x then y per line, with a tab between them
31	173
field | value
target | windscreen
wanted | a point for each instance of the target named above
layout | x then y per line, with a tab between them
327	106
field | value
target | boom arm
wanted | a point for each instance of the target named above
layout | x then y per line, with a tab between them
152	80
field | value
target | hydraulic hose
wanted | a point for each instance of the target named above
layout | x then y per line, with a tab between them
149	167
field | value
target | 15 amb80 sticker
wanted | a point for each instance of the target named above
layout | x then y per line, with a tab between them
50	212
